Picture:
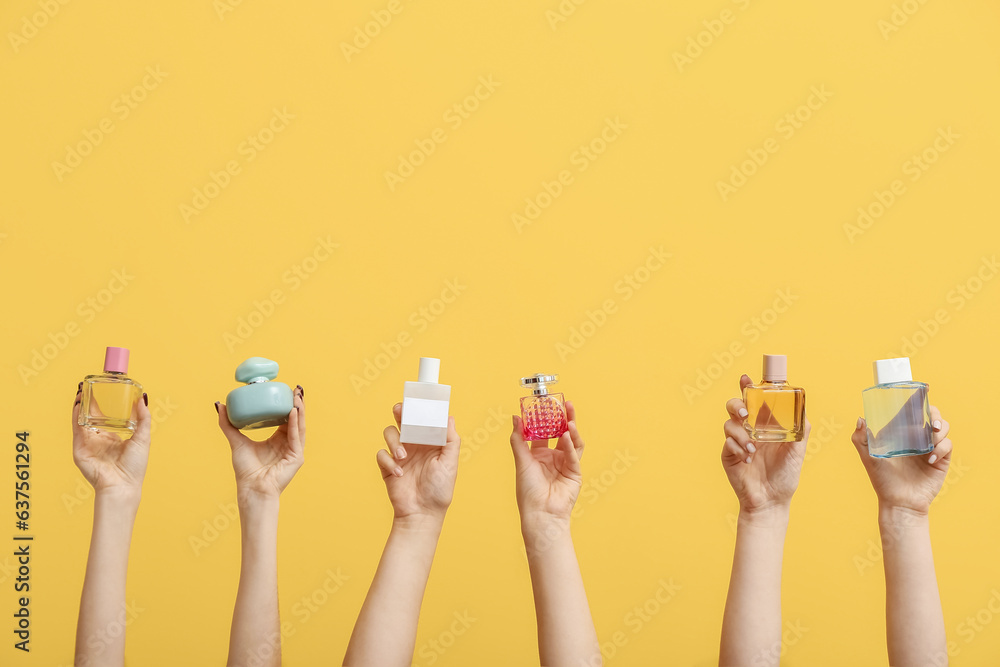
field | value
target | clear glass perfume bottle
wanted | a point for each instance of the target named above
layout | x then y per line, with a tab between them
897	411
424	420
776	409
543	415
260	403
110	398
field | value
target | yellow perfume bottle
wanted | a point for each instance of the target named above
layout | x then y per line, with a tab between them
776	410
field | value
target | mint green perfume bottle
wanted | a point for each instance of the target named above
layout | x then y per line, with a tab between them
260	403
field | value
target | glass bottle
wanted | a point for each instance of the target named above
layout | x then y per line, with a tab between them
543	415
109	400
776	409
424	420
260	403
897	411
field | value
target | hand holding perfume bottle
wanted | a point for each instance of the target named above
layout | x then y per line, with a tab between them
763	473
420	480
105	459
775	409
548	479
265	467
907	482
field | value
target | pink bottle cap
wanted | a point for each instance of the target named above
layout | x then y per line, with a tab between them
116	360
775	367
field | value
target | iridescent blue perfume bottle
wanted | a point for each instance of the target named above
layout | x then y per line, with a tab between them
260	403
897	411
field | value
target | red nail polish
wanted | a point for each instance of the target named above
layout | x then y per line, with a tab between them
145	399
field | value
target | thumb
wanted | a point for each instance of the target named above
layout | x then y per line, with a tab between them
144	424
231	432
522	453
860	440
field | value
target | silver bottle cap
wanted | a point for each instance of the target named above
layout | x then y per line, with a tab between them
538	383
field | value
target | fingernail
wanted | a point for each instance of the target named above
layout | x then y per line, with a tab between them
861	422
145	399
400	453
398	472
79	387
748	460
751	448
302	392
216	406
743	412
932	459
937	424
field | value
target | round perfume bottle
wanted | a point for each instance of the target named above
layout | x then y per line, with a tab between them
260	403
543	415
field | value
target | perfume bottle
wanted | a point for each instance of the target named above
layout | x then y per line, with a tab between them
109	401
897	411
776	409
260	403
543	415
425	407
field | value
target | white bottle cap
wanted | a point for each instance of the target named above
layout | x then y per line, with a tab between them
430	370
893	370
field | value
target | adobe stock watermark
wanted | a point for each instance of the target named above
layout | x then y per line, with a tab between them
31	24
791	634
899	17
454	117
419	321
247	152
594	488
874	550
562	12
635	621
957	299
432	650
366	32
750	332
786	128
581	158
306	608
212	529
293	278
496	420
971	627
914	168
121	108
86	311
703	39
101	640
624	289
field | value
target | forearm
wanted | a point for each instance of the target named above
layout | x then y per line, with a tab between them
751	625
566	634
386	630
102	603
255	638
915	632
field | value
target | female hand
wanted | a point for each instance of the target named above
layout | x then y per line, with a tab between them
548	480
763	474
908	482
107	461
265	467
420	479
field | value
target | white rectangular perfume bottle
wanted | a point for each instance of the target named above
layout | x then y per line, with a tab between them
425	407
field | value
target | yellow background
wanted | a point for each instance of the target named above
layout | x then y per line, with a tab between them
668	516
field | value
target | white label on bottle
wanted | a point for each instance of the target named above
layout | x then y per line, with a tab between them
425	412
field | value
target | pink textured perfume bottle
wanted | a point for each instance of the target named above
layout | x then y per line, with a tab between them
543	415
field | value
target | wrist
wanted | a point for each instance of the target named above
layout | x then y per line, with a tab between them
123	496
249	500
423	524
767	516
899	516
544	525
